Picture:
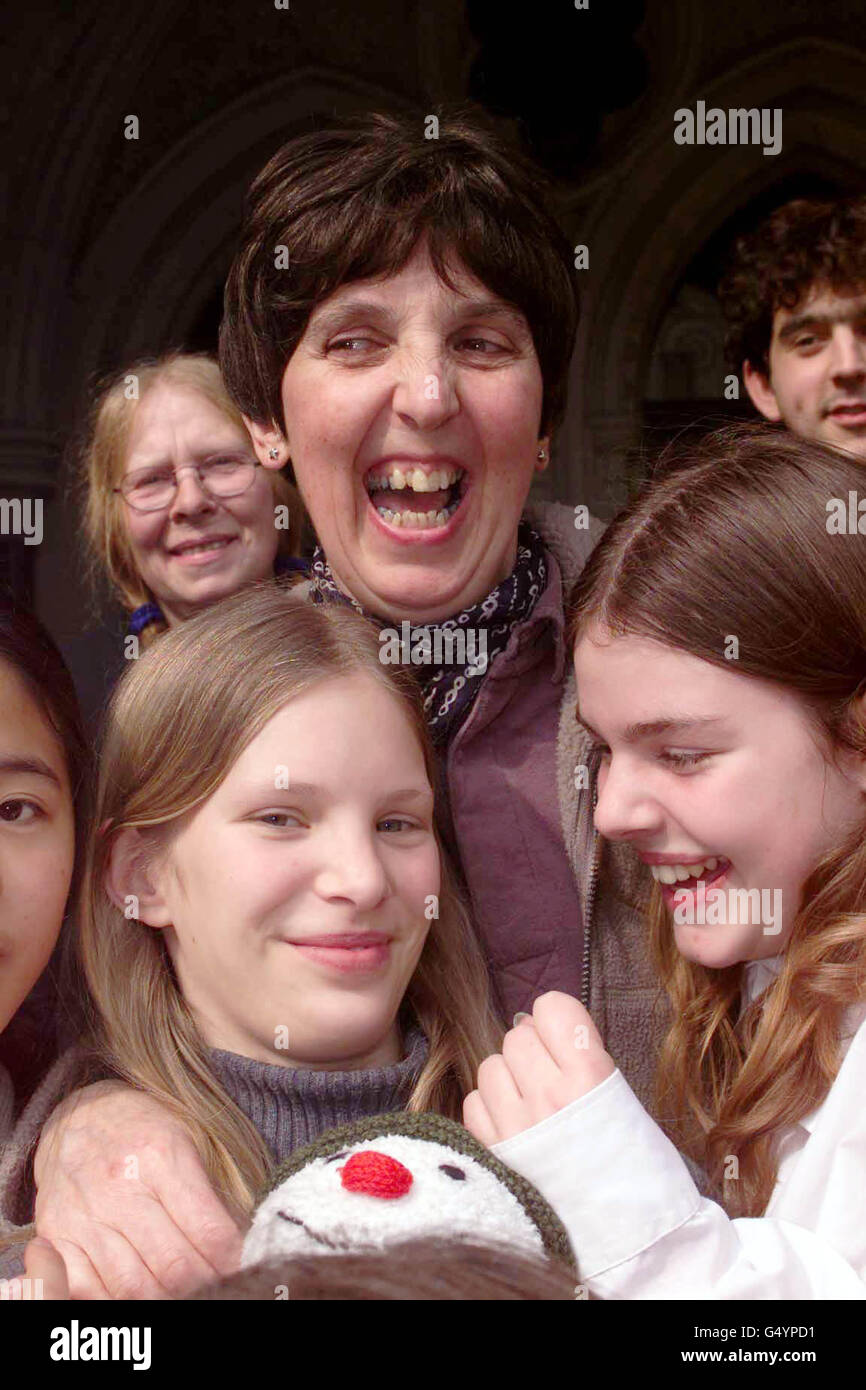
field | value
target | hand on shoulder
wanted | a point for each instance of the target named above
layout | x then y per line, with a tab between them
124	1199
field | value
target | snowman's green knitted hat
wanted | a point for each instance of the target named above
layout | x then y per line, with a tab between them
441	1130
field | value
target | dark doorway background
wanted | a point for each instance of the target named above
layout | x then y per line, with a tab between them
690	414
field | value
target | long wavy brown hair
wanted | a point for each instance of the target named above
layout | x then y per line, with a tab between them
178	721
734	539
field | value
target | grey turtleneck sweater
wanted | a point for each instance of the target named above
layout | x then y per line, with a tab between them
289	1107
292	1106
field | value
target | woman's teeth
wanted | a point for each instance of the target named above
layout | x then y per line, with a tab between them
418	519
200	549
416	479
676	873
442	481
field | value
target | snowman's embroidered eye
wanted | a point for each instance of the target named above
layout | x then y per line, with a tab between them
333	1158
456	1173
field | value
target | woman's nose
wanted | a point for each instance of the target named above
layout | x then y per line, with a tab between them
424	390
376	1175
624	808
190	497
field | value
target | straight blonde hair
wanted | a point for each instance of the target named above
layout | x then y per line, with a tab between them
178	721
100	457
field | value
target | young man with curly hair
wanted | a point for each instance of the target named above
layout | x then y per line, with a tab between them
794	297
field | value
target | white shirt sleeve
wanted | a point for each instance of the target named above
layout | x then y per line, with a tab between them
641	1230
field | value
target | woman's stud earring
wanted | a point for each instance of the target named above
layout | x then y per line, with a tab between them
273	453
542	455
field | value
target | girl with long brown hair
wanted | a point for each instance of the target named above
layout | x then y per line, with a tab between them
721	670
270	935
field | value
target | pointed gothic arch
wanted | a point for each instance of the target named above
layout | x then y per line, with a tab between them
658	212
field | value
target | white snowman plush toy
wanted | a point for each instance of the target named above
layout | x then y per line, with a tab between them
396	1177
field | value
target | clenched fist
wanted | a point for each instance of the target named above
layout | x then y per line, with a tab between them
548	1060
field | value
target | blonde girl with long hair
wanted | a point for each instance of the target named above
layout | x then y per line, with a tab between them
720	662
269	931
177	512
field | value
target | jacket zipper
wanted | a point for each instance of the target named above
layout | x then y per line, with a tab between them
590	902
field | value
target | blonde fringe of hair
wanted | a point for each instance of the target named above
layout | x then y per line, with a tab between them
99	465
736	1082
179	719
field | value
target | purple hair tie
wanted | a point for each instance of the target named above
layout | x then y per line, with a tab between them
284	564
147	613
152	613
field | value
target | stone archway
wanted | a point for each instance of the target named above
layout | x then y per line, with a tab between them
664	203
159	258
140	284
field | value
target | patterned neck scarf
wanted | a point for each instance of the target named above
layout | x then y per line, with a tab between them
476	636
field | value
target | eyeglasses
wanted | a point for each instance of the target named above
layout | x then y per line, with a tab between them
153	489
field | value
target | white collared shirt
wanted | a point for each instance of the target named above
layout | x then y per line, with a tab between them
641	1230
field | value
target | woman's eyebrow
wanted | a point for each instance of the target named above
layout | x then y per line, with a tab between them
492	308
348	309
35	767
210	451
370	309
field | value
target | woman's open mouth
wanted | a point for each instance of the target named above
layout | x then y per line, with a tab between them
413	497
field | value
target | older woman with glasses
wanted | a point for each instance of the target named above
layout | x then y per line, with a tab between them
179	513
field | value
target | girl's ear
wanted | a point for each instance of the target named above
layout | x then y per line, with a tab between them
130	881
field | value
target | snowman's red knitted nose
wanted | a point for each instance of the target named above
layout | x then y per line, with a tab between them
376	1175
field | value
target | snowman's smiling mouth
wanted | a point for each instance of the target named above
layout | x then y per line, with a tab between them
314	1235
